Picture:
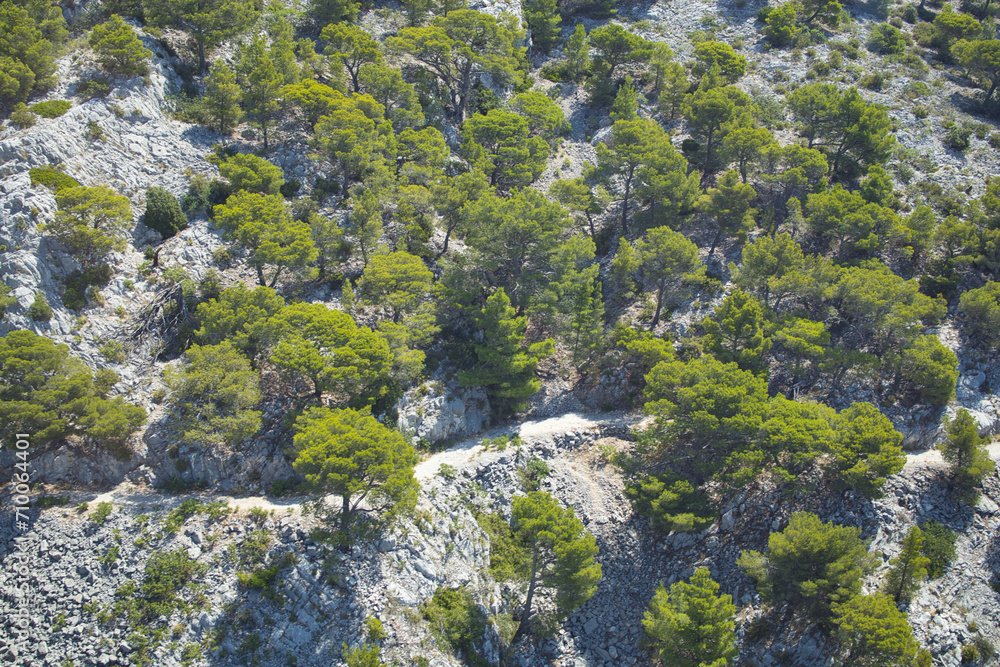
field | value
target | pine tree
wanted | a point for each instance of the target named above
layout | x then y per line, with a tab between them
729	203
250	173
91	222
666	255
282	49
48	393
352	47
692	625
366	223
811	562
262	225
578	53
222	98
736	332
242	317
504	366
571	304
214	396
908	569
542	17
964	449
329	240
874	632
561	552
208	22
261	82
352	455
118	50
398	281
626	104
866	448
330	350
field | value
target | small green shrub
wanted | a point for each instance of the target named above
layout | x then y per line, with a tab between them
21	117
51	501
163	212
102	512
52	108
110	556
40	310
939	547
281	487
874	81
670	503
99	86
94	132
455	618
258	515
113	351
362	656
449	472
182	513
532	474
250	644
252	550
887	40
375	631
958	137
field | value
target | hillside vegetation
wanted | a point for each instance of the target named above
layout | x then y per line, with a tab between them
291	250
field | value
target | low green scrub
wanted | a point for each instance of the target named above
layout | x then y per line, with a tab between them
455	618
939	546
53	178
51	109
51	501
102	512
670	503
167	575
78	285
187	509
532	474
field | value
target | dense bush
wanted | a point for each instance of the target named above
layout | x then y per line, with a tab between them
982	312
958	137
932	368
670	503
811	563
456	618
40	310
118	49
163	212
21	117
887	40
939	547
61	396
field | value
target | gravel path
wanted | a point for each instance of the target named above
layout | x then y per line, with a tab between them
528	431
932	458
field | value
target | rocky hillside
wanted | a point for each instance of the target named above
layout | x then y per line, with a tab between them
523	299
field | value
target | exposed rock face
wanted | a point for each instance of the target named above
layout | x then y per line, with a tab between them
440	410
